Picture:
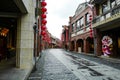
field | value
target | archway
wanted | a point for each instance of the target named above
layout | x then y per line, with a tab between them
72	48
79	45
90	45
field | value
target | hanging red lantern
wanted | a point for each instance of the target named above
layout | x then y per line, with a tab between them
44	22
43	9
43	3
90	17
90	24
43	15
44	38
91	30
43	27
43	33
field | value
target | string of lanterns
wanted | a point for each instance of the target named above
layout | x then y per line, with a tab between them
44	31
91	30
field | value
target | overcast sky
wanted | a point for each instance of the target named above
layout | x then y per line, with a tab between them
58	12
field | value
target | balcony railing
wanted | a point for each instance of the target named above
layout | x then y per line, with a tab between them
107	14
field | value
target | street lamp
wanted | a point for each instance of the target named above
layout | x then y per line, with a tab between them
35	28
40	5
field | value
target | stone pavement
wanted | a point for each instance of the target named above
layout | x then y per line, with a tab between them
58	64
53	69
112	62
9	72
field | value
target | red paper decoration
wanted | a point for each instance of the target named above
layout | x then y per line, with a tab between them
43	9
90	30
44	22
90	17
43	33
43	15
43	3
43	27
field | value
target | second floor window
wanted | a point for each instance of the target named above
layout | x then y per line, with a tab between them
87	21
113	3
73	27
82	22
78	24
105	7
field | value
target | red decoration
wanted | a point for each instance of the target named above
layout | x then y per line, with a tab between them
43	3
90	24
43	33
44	22
43	15
43	9
90	30
43	27
90	17
44	38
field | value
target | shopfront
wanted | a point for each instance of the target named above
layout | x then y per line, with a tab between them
111	42
7	37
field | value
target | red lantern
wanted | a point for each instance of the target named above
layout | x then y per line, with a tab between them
43	3
91	30
43	27
43	15
43	9
90	17
91	35
43	33
90	24
44	38
44	22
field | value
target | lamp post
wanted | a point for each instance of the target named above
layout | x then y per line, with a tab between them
35	28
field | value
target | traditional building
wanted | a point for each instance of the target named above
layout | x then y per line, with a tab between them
106	26
80	30
17	18
65	37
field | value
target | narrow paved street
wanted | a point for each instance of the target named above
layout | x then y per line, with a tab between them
58	64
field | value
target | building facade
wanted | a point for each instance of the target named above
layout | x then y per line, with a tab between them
81	39
16	32
65	37
106	27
